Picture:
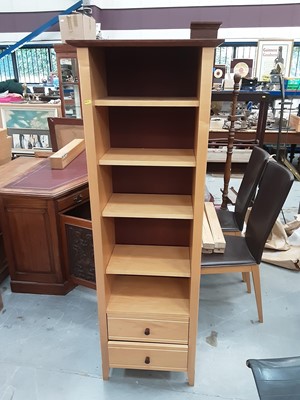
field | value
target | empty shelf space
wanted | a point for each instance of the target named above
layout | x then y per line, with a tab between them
149	206
148	102
154	297
149	157
150	260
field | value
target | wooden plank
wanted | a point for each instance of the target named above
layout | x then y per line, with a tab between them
149	157
149	206
208	243
147	102
149	297
215	227
150	260
66	154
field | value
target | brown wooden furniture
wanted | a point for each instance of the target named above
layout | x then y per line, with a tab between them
69	85
31	198
243	253
146	118
230	141
77	240
7	173
243	138
63	130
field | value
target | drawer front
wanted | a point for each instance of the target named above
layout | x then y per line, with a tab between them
73	199
143	330
164	357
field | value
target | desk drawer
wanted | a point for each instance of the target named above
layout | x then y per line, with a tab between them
148	356
73	199
143	330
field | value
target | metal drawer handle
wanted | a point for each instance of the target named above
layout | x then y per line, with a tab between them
78	198
147	331
147	360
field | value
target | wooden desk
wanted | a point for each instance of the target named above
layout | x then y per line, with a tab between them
30	205
7	174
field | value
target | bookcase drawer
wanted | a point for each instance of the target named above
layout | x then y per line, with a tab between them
145	330
147	356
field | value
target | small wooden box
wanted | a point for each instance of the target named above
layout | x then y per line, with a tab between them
295	122
66	154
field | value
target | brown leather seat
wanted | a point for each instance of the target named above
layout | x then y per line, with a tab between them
243	254
233	221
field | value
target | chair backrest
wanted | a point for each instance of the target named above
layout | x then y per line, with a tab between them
64	130
276	378
274	187
250	181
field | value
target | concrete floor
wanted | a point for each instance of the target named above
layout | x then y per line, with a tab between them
49	345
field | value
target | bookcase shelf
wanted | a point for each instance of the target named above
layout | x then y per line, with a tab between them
149	157
136	296
150	260
149	206
146	111
149	102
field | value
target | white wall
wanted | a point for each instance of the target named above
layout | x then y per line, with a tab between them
34	5
111	4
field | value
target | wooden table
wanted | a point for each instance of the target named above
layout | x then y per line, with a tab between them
31	198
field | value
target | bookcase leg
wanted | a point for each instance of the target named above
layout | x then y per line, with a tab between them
191	377
105	372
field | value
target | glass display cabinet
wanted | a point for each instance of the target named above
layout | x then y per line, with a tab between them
69	86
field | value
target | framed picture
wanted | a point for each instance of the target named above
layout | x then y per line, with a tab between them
219	72
30	141
242	66
273	56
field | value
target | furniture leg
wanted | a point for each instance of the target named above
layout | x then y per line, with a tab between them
256	284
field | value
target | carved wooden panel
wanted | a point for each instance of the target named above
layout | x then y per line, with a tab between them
80	252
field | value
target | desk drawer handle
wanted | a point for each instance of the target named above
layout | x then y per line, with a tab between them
147	331
147	360
78	198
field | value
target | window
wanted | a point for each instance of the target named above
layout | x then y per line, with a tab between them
6	68
28	64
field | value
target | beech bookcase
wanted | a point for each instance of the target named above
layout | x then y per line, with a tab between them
146	112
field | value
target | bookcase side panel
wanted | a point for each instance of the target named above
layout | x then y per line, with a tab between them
205	65
96	130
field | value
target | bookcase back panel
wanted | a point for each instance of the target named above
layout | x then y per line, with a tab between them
171	71
155	127
156	232
144	180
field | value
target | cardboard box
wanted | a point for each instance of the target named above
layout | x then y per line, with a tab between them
77	27
295	122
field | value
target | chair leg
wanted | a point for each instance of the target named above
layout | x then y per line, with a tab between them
257	290
246	278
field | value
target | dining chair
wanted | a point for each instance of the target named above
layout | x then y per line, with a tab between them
243	253
276	378
232	222
63	130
